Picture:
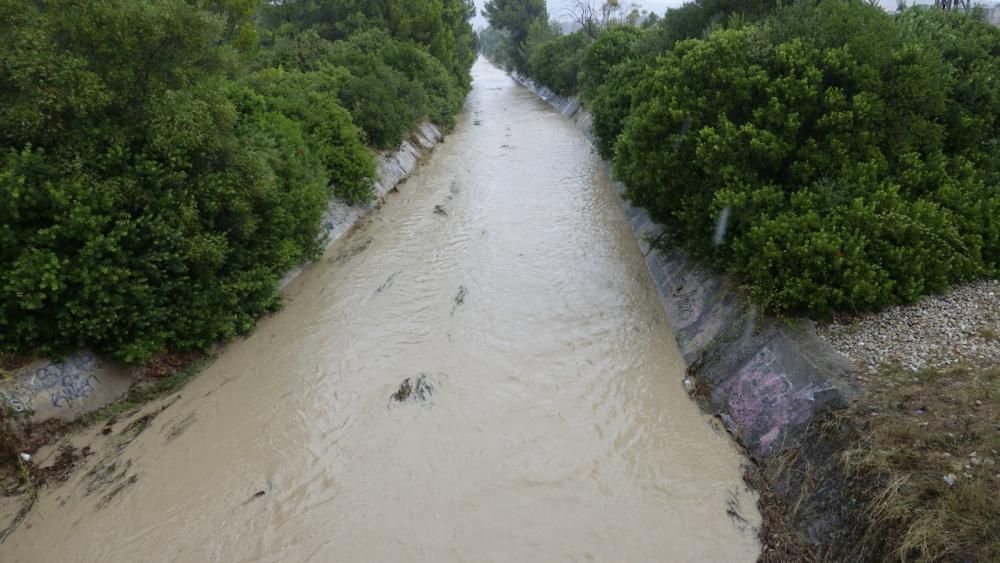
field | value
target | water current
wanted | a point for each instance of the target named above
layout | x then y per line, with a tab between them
547	420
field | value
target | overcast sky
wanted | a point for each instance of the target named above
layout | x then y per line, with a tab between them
557	8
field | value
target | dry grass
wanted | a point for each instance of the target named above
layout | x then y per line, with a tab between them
987	332
779	542
9	363
918	431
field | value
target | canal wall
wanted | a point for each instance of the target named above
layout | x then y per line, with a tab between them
772	382
83	382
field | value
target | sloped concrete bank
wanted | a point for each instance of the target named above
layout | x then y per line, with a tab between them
772	382
84	382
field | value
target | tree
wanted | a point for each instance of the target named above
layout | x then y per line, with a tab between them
594	17
852	150
240	28
950	5
440	26
613	47
516	17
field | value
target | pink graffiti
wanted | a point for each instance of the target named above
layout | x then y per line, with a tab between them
763	402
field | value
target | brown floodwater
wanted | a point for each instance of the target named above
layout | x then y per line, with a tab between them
555	428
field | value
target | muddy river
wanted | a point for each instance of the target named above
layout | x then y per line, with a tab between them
546	420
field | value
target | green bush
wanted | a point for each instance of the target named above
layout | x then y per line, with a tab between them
388	86
392	86
440	28
305	98
853	149
612	103
611	48
694	20
146	200
556	63
496	45
152	194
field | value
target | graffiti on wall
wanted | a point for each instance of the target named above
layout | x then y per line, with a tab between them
60	383
763	402
686	302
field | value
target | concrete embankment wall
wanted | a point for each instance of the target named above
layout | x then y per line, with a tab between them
83	382
769	380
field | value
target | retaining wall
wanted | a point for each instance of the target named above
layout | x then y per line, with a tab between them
767	379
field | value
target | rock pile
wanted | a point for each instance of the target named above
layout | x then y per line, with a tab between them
962	325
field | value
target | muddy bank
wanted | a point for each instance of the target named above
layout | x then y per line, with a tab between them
773	382
69	388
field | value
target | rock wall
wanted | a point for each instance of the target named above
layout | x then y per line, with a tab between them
83	382
767	379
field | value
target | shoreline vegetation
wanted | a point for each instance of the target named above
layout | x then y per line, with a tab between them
163	164
841	162
184	151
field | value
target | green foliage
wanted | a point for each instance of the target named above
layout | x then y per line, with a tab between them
439	27
612	103
387	85
556	63
239	28
304	97
611	48
516	17
150	196
496	45
696	19
855	151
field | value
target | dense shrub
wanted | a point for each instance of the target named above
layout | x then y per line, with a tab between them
305	97
611	48
515	18
855	151
556	63
439	27
141	208
697	18
386	85
495	44
612	103
151	194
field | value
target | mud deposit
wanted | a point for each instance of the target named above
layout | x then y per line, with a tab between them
482	372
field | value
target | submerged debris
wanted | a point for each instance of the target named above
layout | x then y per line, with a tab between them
459	298
67	460
106	499
388	283
413	389
179	427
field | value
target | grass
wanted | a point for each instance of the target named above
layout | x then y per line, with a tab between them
919	430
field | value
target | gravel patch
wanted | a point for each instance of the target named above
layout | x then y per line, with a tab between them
962	325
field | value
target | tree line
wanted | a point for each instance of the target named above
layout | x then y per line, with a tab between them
834	156
163	163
